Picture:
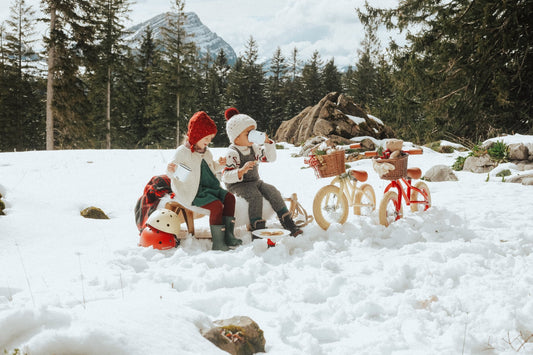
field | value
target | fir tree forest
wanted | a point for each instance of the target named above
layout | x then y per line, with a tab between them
465	70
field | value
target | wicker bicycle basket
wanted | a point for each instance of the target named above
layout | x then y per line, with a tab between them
331	164
400	167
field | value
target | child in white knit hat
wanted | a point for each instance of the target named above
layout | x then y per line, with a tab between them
241	174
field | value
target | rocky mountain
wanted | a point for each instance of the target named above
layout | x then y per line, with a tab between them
205	39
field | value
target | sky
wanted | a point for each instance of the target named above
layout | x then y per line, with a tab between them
332	28
455	279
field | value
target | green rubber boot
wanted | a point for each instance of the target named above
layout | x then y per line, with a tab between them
217	236
229	237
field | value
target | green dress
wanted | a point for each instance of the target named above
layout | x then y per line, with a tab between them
209	189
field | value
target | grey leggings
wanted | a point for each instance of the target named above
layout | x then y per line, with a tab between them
253	192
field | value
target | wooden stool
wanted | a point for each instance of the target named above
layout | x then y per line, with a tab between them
187	216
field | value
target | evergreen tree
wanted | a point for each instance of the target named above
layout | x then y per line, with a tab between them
128	102
69	44
293	88
331	77
142	82
362	84
180	57
21	95
214	94
109	48
246	85
468	72
313	90
275	98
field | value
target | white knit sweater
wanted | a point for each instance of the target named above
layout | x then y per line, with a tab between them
187	188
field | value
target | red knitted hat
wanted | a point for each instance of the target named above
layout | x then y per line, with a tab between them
200	126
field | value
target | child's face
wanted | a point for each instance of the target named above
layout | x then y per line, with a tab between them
242	139
204	142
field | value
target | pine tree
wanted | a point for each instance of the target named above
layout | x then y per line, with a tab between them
275	98
20	84
213	99
69	44
331	77
313	89
293	87
109	48
246	84
363	85
469	71
143	80
181	55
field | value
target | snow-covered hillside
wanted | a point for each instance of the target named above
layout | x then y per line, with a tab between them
455	279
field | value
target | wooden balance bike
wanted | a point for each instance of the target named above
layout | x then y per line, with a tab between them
332	202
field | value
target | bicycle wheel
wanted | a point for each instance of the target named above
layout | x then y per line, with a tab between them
364	201
416	196
389	211
330	206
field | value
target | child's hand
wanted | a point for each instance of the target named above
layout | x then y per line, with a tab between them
171	167
245	168
222	160
248	166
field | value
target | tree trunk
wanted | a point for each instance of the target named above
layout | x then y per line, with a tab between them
108	113
50	82
178	119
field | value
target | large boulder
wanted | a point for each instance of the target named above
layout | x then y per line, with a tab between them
518	151
481	164
440	173
337	117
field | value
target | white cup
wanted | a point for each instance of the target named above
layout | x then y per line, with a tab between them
182	172
256	137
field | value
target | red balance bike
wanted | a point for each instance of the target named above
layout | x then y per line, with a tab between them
401	188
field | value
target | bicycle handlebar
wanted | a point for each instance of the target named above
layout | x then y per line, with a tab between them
410	152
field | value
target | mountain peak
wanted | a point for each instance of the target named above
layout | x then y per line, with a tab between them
197	32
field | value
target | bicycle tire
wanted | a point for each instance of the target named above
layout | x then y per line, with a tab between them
388	209
415	207
330	206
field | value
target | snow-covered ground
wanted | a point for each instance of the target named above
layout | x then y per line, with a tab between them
456	279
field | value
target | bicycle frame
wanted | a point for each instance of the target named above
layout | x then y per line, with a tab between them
348	185
405	192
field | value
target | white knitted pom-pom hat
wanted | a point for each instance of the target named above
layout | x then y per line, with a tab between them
237	122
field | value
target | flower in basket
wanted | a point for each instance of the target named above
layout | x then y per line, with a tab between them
327	162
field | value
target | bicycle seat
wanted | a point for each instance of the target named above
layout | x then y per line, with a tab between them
359	175
414	173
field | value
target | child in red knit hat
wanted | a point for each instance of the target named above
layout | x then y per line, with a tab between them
193	176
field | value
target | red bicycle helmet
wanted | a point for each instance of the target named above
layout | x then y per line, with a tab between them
151	237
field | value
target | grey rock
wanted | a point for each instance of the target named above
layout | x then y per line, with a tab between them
440	173
518	151
237	336
481	164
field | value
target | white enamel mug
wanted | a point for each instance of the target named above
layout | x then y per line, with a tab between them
256	137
